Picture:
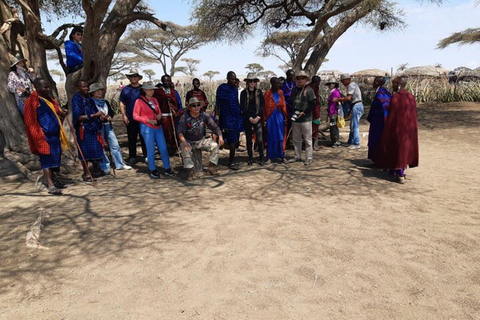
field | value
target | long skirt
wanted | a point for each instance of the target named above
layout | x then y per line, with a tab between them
276	135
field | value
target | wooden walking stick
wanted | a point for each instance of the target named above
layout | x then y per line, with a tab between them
175	133
80	150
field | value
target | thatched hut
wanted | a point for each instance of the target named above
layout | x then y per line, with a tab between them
368	75
466	74
328	74
424	72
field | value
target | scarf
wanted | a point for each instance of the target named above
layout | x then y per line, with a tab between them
63	136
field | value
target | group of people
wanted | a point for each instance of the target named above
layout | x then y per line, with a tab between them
154	114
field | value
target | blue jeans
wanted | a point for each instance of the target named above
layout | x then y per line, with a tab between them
151	136
114	148
357	112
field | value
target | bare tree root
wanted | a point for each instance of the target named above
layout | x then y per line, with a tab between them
17	159
33	235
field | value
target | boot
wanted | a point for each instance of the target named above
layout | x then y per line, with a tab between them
190	175
212	169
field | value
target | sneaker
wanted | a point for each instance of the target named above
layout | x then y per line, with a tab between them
353	146
308	162
401	180
54	190
154	174
169	172
293	160
284	161
132	161
124	167
336	145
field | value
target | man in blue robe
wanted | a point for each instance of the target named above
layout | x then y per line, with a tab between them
229	115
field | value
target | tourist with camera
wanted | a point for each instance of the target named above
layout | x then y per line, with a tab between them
303	102
20	81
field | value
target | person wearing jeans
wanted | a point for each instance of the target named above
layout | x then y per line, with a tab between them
251	103
96	102
354	96
147	112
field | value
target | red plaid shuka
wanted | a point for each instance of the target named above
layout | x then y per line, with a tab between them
36	137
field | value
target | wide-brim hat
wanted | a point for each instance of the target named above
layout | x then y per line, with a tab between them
330	81
302	74
345	76
95	87
15	61
194	100
133	72
251	76
149	85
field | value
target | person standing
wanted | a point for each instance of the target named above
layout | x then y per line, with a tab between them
275	119
398	147
73	50
191	133
230	115
303	102
377	115
315	84
127	99
45	133
98	103
354	96
20	81
287	88
333	106
148	113
198	93
251	103
166	96
88	129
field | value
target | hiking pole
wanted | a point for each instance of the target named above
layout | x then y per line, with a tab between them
175	133
80	150
107	147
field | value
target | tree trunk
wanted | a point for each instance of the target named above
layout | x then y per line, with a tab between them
13	138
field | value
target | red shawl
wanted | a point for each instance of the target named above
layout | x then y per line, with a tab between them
270	104
36	137
168	104
399	143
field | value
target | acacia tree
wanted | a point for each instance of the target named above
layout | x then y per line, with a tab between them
150	74
468	36
289	42
210	74
191	67
166	48
327	20
254	67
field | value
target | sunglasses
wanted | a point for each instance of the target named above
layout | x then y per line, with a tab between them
134	76
196	105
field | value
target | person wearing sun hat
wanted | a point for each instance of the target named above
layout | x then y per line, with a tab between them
20	81
148	113
191	134
97	102
128	97
332	85
303	102
251	103
354	96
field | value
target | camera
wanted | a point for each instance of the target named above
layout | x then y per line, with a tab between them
295	116
27	93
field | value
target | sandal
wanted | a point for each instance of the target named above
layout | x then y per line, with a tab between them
53	190
233	166
87	178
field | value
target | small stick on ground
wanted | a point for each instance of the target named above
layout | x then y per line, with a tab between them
33	235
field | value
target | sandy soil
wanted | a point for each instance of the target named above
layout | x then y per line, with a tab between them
338	240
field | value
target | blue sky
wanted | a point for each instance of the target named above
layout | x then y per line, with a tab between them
359	48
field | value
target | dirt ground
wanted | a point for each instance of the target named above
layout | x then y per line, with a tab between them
338	240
